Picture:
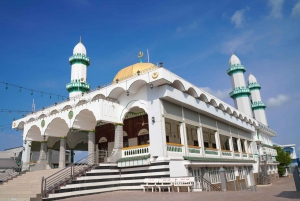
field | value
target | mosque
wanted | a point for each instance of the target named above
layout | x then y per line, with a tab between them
152	120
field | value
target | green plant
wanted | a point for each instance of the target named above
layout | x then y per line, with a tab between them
284	160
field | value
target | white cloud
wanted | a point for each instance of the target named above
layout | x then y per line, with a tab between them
276	7
278	101
296	10
221	94
238	17
243	43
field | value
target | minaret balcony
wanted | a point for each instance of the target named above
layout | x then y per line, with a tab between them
258	105
253	86
239	92
79	58
78	86
236	68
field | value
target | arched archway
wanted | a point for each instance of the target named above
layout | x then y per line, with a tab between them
57	128
84	120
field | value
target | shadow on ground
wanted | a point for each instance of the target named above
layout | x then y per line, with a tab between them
289	194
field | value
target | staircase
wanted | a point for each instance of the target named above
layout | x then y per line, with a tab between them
25	187
108	177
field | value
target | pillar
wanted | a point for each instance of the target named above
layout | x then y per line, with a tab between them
72	156
223	179
183	138
91	146
42	162
26	155
218	144
49	157
231	145
200	140
251	176
62	152
118	145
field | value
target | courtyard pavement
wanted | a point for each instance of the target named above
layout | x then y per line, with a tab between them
281	190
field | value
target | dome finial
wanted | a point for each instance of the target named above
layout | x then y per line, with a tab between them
80	39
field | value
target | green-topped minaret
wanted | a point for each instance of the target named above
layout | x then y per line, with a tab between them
240	92
79	63
257	105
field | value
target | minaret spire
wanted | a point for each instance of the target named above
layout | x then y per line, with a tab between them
80	39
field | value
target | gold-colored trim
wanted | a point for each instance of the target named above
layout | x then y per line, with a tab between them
195	147
225	150
135	147
212	149
174	144
155	75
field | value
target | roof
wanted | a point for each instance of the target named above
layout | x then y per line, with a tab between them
132	69
6	163
218	160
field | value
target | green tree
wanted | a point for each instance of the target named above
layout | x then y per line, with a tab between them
284	160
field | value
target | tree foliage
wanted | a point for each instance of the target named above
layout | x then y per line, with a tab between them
284	160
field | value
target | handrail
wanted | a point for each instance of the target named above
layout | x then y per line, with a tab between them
215	188
69	173
9	173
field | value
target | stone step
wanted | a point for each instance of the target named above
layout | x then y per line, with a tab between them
15	199
18	195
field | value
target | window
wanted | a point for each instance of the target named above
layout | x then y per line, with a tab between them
125	141
230	174
206	144
143	139
241	173
214	175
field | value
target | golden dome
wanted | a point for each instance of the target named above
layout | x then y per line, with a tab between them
131	70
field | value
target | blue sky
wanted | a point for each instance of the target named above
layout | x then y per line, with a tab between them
194	39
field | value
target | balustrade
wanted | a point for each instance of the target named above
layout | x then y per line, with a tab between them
173	147
135	151
194	149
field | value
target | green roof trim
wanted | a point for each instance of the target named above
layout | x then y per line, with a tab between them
254	86
236	68
258	105
79	58
134	158
217	160
239	92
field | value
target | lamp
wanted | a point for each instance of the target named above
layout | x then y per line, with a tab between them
25	142
117	80
98	87
127	93
138	72
153	119
161	64
151	86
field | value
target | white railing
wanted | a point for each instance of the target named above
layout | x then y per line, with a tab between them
194	149
226	153
172	147
136	151
211	151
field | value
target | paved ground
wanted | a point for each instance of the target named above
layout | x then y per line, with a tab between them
283	189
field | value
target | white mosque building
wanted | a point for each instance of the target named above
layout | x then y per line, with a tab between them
152	120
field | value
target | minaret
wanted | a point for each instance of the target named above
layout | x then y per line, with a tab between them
79	62
257	105
240	93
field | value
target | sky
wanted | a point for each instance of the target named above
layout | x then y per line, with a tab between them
194	39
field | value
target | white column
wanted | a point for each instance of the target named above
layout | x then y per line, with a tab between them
156	123
49	157
200	140
183	138
26	155
217	139
118	145
239	146
91	146
62	152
